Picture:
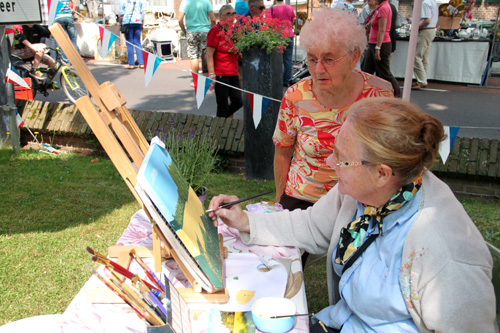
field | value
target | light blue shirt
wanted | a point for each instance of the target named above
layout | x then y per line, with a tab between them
371	297
132	11
196	13
241	7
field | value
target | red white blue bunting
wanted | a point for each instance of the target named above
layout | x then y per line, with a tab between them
107	40
258	104
12	76
201	85
54	8
151	63
445	146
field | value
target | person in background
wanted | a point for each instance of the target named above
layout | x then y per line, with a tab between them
346	5
255	8
285	13
199	18
65	18
378	56
426	33
241	7
402	253
223	67
314	109
27	44
365	12
131	14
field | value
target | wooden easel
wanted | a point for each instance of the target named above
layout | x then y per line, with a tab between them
126	146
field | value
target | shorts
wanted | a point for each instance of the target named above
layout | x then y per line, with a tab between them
26	53
197	42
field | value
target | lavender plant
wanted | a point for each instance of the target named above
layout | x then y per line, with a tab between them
194	153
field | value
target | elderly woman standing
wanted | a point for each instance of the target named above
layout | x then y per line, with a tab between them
131	14
313	110
378	55
402	253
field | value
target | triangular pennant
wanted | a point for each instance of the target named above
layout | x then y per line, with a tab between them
10	31
12	76
201	85
19	120
107	39
151	63
54	9
447	143
250	100
258	104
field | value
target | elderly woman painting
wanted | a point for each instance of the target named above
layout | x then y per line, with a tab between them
402	253
313	110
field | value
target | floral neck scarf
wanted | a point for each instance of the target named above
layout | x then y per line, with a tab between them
352	235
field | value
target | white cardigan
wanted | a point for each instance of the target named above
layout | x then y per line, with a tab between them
446	268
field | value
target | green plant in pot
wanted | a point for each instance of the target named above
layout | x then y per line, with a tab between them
261	32
194	153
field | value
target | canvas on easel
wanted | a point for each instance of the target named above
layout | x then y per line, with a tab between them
127	148
179	213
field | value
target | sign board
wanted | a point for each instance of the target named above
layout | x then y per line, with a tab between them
20	12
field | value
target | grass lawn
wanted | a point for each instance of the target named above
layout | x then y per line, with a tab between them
54	206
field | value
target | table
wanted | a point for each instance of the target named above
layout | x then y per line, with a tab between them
453	61
83	316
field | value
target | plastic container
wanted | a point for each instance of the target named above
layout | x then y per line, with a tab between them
264	308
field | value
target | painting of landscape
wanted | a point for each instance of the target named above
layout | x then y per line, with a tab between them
183	211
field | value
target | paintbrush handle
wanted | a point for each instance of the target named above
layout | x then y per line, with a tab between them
239	201
296	315
148	271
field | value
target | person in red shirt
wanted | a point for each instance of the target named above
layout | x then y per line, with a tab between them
223	67
378	55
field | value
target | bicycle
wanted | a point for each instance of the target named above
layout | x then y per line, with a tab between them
71	83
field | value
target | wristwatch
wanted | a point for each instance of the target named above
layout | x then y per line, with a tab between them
377	47
211	75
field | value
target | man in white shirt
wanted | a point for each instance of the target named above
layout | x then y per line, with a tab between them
427	31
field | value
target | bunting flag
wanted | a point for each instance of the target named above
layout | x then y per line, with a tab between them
445	146
10	31
258	104
54	9
201	85
12	76
151	63
107	39
19	120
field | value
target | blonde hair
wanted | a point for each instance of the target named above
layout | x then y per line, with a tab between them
333	26
396	133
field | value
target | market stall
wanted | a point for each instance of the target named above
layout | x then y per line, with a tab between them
452	60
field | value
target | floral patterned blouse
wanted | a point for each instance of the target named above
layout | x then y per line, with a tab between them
311	128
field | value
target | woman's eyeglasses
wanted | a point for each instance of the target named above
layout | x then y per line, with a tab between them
229	14
343	164
326	62
262	7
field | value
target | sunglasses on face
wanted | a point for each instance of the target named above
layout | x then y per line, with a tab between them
262	7
229	14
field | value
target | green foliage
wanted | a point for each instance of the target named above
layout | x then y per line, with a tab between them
54	206
194	154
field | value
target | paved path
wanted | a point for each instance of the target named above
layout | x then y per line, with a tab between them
169	90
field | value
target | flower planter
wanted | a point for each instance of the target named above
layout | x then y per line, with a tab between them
262	74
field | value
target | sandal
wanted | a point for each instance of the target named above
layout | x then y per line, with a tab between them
129	67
